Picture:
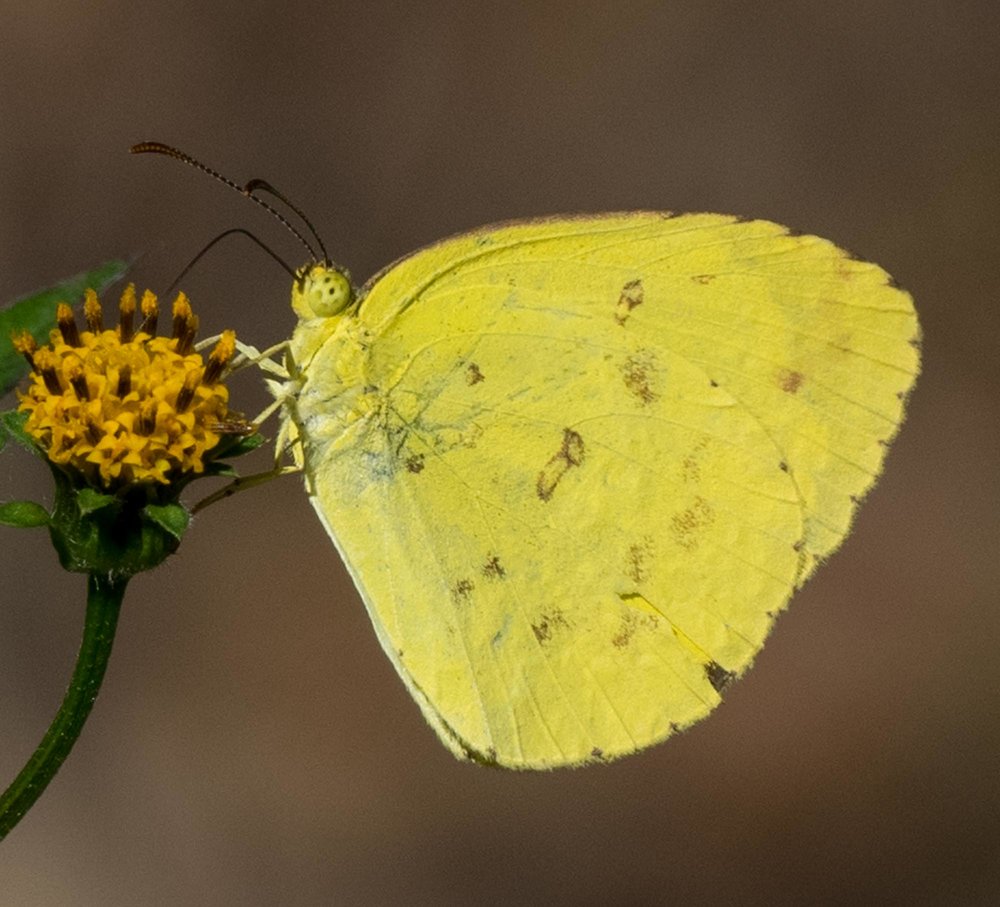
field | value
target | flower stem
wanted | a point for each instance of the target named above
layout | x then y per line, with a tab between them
104	598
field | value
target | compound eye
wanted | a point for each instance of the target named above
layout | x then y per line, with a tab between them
327	292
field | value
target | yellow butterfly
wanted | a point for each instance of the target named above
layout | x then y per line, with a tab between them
576	466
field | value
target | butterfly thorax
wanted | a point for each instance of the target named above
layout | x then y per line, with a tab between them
327	390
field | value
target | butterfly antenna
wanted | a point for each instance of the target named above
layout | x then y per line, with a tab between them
265	186
220	237
247	191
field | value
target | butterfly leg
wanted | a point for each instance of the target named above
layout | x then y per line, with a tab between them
264	360
242	483
249	355
282	386
284	445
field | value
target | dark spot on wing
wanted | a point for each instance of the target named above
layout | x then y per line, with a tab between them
542	631
637	560
790	381
415	462
625	632
712	382
632	621
597	753
685	525
473	375
718	676
548	623
691	464
570	454
461	592
572	447
493	569
638	372
845	266
783	466
631	296
703	279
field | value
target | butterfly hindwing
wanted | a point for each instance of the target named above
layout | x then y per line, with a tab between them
576	466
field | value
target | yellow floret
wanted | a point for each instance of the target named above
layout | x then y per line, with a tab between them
122	406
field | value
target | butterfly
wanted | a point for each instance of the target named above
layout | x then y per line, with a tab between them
576	466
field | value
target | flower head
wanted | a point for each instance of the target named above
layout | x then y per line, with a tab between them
121	406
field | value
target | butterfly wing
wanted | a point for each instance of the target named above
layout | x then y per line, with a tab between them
577	466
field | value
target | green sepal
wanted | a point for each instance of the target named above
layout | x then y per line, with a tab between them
173	518
117	535
229	447
23	514
117	539
36	313
90	500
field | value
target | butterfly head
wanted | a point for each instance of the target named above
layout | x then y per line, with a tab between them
321	291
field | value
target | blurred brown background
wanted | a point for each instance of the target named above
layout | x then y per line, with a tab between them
252	745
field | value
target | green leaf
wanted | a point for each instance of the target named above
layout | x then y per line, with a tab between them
36	313
25	514
89	500
172	518
236	445
12	426
219	469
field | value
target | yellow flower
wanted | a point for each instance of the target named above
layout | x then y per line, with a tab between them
122	406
